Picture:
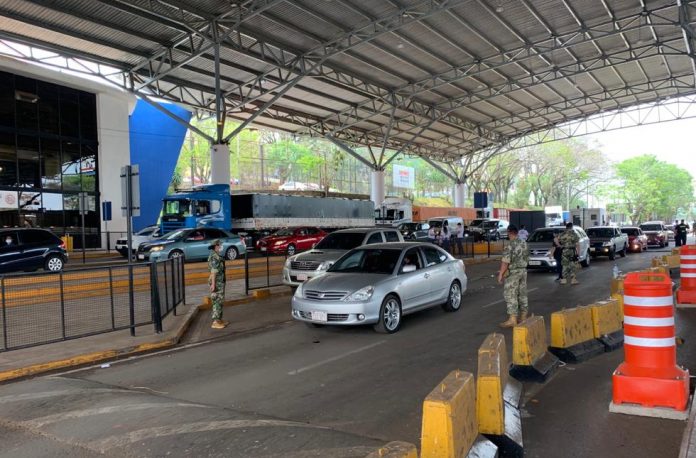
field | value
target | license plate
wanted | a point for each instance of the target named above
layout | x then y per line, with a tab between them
301	277
592	250
319	316
141	257
263	248
534	263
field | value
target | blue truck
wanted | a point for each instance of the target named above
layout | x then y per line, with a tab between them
255	215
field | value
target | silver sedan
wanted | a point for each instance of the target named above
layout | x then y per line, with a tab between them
378	284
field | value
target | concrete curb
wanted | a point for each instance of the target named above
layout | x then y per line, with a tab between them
688	445
206	305
99	356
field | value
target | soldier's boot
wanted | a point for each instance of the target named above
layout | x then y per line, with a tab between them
225	322
574	281
563	281
217	324
523	315
511	322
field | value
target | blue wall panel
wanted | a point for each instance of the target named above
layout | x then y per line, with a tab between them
155	144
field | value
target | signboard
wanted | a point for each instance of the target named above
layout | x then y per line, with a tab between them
106	211
87	165
404	177
8	200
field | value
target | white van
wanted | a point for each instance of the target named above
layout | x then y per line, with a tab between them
452	222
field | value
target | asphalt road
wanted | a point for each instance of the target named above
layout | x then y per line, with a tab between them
294	391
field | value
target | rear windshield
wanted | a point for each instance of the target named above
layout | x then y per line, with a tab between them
341	241
409	227
476	222
600	232
371	261
651	227
630	231
543	236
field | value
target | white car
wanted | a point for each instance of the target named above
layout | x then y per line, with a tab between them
144	235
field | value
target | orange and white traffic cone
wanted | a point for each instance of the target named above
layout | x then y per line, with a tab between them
686	294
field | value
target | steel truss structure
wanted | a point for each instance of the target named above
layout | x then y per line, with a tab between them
452	81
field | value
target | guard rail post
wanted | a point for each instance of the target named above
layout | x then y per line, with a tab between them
174	286
4	315
155	305
108	242
131	300
183	282
62	304
111	293
268	269
246	274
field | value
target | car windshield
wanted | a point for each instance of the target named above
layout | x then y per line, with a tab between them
284	232
435	223
542	236
476	223
178	207
489	224
341	241
630	231
600	232
651	227
174	235
147	231
408	227
371	261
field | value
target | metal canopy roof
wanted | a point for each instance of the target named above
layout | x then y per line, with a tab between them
438	78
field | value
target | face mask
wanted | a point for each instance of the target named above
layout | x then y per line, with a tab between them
8	241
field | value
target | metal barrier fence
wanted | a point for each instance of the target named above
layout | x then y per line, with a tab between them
264	271
42	308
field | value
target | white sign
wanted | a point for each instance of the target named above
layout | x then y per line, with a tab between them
8	199
404	177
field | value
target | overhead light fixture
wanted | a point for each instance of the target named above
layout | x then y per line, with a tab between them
400	45
499	8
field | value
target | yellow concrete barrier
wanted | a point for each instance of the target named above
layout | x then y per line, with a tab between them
673	261
395	450
498	420
449	417
619	299
530	358
572	336
607	324
617	285
676	251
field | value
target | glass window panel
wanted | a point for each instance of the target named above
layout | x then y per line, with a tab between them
53	211
7	100
71	207
9	209
50	164
71	166
49	108
27	103
69	112
88	168
8	160
29	208
28	163
88	116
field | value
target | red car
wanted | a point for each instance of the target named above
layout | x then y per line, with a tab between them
291	240
656	233
637	241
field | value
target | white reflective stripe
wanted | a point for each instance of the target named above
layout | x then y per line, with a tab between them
688	256
687	266
649	322
645	342
688	275
660	301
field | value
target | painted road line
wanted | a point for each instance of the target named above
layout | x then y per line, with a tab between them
53	394
500	301
335	358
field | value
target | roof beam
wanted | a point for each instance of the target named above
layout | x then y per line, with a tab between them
685	18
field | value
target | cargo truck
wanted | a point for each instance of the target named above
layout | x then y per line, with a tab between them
255	215
530	219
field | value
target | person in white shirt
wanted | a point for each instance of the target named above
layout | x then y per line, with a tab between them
431	235
460	238
523	234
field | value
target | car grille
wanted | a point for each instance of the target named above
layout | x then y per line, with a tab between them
325	295
329	317
539	252
304	265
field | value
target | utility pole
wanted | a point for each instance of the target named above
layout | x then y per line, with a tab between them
263	177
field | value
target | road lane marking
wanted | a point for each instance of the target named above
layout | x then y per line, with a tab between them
199	427
51	394
335	358
500	301
73	414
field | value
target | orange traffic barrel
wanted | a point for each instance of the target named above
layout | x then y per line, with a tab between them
649	375
687	267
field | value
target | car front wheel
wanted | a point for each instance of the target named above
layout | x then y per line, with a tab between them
612	254
389	315
176	254
454	299
231	254
623	252
54	263
586	261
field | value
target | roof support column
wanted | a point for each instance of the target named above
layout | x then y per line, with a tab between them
459	194
219	150
377	187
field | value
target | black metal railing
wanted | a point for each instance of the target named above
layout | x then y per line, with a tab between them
264	270
42	308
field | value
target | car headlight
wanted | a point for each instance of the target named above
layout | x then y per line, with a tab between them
157	248
325	265
361	295
279	242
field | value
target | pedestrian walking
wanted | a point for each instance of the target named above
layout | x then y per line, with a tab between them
675	230
445	235
460	239
682	232
571	247
558	256
522	233
513	273
216	281
432	235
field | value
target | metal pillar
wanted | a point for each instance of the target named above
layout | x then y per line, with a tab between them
377	190
220	164
459	194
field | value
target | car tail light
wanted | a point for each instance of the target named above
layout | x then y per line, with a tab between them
62	245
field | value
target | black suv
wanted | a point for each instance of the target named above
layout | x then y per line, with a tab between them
31	249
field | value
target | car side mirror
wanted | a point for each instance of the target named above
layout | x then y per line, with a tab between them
408	269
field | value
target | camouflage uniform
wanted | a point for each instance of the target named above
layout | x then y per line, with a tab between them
216	265
569	240
516	255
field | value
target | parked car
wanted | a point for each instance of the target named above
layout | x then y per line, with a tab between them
656	233
144	235
541	241
438	222
415	231
488	229
31	249
303	266
291	240
637	240
191	244
378	284
607	241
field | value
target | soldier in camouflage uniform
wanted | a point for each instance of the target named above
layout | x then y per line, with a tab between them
571	247
513	270
216	265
